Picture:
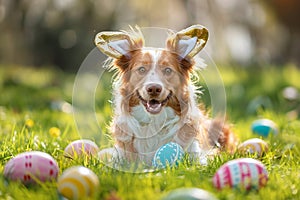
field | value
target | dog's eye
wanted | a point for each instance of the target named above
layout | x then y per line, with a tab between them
142	70
168	71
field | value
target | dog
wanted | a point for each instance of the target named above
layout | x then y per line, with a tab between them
155	99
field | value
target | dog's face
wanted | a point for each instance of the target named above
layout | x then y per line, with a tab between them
154	77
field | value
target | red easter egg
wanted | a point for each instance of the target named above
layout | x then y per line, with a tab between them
245	173
31	167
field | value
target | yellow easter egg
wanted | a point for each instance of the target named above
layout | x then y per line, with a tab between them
77	183
253	146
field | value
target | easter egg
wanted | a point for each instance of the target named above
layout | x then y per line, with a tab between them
77	182
264	127
253	146
81	148
31	167
189	194
246	173
169	154
290	93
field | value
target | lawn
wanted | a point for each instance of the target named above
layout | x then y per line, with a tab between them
31	104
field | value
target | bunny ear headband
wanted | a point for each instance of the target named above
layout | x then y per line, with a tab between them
186	43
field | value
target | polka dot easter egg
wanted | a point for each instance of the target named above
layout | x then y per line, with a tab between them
264	127
189	194
77	183
253	146
245	173
81	148
169	154
31	167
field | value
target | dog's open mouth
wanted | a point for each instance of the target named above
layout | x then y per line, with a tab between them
154	106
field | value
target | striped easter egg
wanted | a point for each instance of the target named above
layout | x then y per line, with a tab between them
246	173
253	146
81	148
77	182
31	167
264	127
169	154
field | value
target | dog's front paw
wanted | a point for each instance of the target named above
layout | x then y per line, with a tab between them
116	155
198	155
198	158
110	155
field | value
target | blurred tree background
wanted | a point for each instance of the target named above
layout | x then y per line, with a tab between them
60	33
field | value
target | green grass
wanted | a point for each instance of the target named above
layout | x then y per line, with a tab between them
28	93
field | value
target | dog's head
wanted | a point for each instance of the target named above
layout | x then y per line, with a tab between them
154	77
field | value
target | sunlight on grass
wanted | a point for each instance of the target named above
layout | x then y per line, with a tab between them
27	120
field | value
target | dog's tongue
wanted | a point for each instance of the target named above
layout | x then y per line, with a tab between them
153	106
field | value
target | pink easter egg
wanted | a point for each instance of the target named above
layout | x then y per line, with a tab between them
31	167
254	146
244	173
81	148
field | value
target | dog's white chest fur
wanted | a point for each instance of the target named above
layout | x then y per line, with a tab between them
152	131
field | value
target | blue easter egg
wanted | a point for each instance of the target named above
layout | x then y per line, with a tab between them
169	154
264	127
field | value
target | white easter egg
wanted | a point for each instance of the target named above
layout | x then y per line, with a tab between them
31	167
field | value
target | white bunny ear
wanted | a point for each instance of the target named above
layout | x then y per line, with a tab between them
186	46
113	44
188	42
118	44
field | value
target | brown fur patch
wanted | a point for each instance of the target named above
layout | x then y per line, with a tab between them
132	80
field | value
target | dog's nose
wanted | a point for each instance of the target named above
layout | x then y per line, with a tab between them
154	89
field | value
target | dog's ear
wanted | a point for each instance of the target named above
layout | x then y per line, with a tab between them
188	42
118	44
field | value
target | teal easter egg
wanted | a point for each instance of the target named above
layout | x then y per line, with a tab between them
189	194
169	154
264	127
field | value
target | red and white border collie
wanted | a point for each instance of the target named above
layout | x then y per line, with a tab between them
154	98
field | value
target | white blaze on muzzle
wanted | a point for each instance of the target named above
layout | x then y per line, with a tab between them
153	87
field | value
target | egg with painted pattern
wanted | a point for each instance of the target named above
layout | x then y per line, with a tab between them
77	182
80	148
253	146
245	173
169	154
31	167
